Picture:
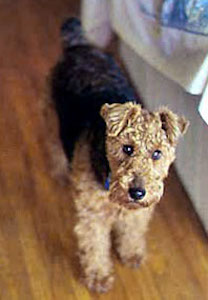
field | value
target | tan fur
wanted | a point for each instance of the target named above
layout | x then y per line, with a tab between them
59	166
103	214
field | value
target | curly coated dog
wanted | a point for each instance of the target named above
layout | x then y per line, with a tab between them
119	155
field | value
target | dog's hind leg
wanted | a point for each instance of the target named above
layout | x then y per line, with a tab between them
56	157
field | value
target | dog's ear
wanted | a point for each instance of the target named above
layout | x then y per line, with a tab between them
173	125
116	116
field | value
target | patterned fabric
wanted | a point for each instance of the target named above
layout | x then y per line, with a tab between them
170	35
187	15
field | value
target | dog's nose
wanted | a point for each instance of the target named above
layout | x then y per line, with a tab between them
137	193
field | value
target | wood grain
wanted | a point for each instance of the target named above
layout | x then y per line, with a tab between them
37	249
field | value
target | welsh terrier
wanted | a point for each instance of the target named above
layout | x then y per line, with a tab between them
119	155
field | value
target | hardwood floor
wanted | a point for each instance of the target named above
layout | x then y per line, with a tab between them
37	249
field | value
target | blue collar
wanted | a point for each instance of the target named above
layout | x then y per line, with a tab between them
107	182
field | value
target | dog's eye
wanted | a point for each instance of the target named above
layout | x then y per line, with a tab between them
128	149
156	155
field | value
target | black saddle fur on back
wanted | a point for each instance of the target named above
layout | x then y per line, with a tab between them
81	82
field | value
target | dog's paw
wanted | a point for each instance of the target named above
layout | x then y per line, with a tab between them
133	261
98	284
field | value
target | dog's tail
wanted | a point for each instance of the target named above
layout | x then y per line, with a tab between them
72	33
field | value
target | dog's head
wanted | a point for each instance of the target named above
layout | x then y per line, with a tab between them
140	148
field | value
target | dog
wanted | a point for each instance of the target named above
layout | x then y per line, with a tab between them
119	155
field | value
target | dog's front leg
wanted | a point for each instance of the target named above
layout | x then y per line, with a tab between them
130	241
93	236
